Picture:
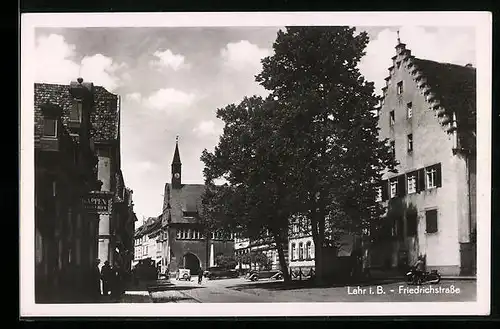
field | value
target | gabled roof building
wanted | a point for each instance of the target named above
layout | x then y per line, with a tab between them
186	241
428	115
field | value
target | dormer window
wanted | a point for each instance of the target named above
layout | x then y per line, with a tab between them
49	127
76	111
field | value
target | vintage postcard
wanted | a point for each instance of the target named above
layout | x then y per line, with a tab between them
264	164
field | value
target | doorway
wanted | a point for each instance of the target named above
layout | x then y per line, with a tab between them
192	262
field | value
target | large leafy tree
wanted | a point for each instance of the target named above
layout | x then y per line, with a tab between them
251	158
323	114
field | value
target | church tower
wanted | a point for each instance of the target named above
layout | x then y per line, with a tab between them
176	167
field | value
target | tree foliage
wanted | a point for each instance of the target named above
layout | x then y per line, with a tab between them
249	157
325	109
226	261
310	149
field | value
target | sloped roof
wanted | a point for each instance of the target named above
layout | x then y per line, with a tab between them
455	88
149	226
184	201
104	118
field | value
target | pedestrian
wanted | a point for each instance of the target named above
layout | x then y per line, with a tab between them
200	275
117	281
106	277
95	281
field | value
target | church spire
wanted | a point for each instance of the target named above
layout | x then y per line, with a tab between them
176	166
177	158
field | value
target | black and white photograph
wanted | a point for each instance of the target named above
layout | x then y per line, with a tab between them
262	164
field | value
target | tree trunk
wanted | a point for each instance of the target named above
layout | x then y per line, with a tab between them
318	254
281	255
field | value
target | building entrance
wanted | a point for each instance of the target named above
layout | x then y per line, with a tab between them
192	263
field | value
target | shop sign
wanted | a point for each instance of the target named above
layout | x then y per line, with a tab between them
98	202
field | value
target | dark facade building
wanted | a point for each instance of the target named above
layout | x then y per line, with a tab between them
185	241
428	114
65	172
80	197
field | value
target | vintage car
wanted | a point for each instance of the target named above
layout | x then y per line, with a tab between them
183	274
220	272
271	274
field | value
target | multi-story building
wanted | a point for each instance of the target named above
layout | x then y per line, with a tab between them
301	246
147	242
245	250
428	114
81	124
185	240
65	174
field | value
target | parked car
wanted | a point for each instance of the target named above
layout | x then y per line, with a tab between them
183	274
220	272
271	274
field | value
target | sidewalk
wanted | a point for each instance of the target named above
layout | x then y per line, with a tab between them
395	275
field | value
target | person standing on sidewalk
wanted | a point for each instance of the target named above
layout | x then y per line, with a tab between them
107	277
117	286
95	281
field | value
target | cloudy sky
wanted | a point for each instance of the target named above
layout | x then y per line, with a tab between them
172	80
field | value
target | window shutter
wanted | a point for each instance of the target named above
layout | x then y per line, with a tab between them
420	180
385	190
438	174
401	187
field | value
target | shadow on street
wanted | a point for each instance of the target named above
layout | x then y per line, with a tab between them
308	284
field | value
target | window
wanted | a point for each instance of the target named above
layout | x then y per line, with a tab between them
411	183
76	112
308	250
400	87
178	236
394	188
393	148
431	221
190	234
212	235
430	177
392	118
409	110
410	142
293	251
50	127
378	196
398	64
301	251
